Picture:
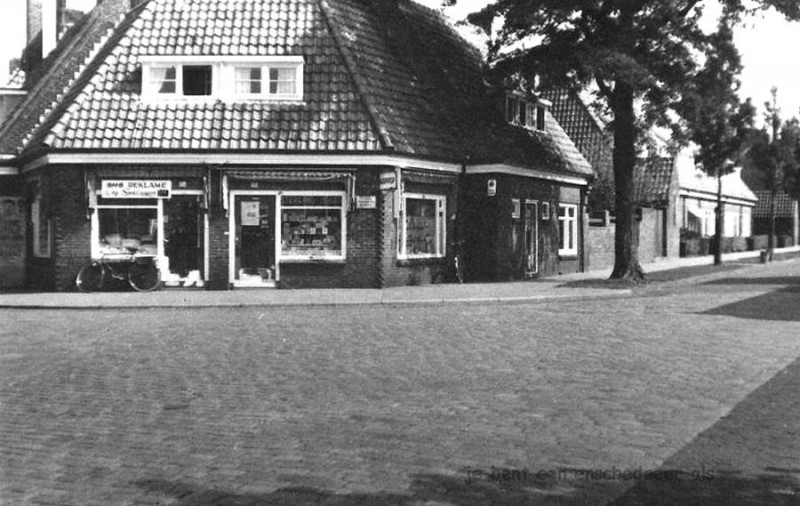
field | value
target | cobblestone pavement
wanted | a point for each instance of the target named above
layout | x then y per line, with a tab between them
418	405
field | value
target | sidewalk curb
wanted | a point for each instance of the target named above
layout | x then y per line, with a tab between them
609	294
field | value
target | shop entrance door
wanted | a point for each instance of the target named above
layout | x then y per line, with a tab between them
183	234
254	240
531	238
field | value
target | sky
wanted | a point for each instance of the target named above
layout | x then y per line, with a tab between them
770	48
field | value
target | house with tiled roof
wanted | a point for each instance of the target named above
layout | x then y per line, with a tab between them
289	143
787	217
677	200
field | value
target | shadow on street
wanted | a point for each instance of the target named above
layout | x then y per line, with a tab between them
750	456
425	489
774	280
780	305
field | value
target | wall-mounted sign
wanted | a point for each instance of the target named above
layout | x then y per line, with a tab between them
388	181
491	187
250	213
366	202
136	189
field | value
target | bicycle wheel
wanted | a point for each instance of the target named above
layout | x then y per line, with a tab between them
90	277
144	277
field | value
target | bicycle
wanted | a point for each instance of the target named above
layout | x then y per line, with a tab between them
140	271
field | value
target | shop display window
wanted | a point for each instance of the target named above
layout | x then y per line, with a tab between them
125	228
312	227
423	233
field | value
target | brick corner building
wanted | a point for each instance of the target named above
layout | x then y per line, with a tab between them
286	143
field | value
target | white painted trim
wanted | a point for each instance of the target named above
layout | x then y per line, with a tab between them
342	217
441	226
712	197
223	160
194	59
232	233
13	91
574	250
499	168
9	171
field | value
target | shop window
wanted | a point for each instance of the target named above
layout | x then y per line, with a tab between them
128	227
423	226
41	228
312	227
568	229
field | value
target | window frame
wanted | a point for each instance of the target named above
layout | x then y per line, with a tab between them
568	229
441	227
280	208
39	219
266	81
527	114
223	77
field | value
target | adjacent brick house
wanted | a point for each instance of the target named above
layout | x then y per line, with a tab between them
293	143
656	186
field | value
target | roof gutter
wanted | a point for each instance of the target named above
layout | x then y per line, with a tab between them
6	168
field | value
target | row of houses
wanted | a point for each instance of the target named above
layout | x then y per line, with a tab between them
297	143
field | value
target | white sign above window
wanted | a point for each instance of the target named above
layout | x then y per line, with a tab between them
136	189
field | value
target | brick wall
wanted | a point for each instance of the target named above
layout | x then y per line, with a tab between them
394	272
496	250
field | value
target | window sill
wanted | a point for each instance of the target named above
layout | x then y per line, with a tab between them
332	261
568	256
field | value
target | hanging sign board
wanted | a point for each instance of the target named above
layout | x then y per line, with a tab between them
388	181
366	202
136	189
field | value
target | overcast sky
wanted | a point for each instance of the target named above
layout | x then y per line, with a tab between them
770	49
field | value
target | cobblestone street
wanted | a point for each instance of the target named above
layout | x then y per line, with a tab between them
430	404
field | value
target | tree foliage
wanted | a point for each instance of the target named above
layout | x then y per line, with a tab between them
639	54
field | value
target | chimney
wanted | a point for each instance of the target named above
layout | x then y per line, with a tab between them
47	17
34	18
50	26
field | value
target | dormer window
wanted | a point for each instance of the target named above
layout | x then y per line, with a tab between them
224	78
525	113
267	81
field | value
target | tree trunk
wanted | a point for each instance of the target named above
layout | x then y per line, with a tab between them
773	197
718	230
626	237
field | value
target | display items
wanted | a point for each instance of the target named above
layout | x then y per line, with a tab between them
424	228
128	228
311	227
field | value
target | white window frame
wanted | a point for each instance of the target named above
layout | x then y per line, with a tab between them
223	77
569	224
38	217
280	207
531	121
265	81
441	226
95	233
